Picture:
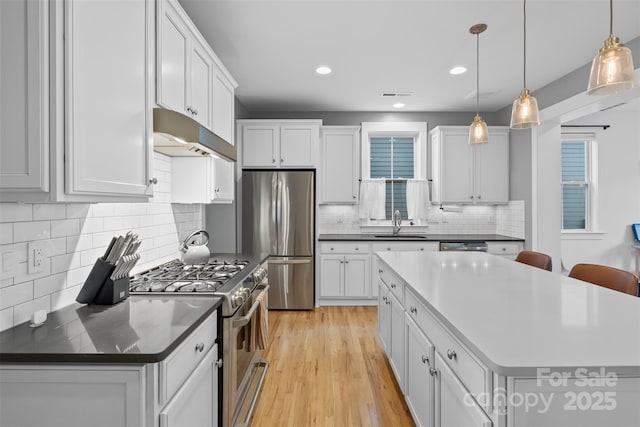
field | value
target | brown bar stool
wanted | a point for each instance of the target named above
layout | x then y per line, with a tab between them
608	277
535	259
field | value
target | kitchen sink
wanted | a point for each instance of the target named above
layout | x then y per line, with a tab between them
400	236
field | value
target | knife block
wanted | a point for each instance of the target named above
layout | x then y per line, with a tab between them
100	289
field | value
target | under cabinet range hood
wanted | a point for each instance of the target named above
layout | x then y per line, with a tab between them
177	135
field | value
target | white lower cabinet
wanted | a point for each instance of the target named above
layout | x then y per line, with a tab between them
419	386
345	272
454	406
507	250
192	404
384	317
181	390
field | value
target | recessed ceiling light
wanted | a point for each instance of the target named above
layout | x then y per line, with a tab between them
323	70
398	105
457	70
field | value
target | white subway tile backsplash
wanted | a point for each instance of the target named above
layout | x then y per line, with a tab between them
78	233
22	312
33	230
78	276
16	294
77	210
6	233
48	211
6	318
65	227
64	298
92	225
49	285
14	212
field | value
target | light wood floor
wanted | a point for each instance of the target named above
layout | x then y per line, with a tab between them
328	369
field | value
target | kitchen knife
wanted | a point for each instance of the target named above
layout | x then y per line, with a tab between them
106	253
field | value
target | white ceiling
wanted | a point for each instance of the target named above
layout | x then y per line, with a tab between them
273	47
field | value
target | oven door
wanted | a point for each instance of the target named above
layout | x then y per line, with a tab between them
245	368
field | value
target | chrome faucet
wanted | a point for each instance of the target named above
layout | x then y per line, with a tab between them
397	220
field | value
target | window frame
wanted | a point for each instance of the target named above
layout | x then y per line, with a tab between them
415	130
590	183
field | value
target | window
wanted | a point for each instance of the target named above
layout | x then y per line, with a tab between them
392	158
578	181
396	151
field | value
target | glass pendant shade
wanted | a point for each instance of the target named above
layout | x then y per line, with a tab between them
612	69
524	114
478	131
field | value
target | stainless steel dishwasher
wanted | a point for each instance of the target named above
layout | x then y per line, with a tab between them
463	246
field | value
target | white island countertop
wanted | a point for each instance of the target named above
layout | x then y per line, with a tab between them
518	318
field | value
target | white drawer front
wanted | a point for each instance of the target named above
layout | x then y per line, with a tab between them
406	246
344	248
392	281
471	372
179	364
504	248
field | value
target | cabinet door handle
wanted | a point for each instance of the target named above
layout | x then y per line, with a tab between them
217	190
393	286
281	160
273	160
479	197
200	347
346	262
195	112
219	363
354	197
389	302
413	310
451	354
471	197
433	372
153	181
380	271
422	249
425	359
357	249
190	110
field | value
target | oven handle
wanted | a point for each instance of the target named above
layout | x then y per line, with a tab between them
289	261
240	322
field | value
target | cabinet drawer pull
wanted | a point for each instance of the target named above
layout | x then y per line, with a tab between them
380	271
346	262
422	249
357	249
433	372
451	354
425	359
388	249
413	310
200	347
393	286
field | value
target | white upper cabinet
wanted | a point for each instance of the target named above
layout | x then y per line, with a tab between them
190	77
339	170
279	144
80	125
185	66
201	180
463	173
24	133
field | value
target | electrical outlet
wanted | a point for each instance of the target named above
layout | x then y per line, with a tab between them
37	254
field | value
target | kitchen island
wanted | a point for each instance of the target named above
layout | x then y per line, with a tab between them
476	339
137	363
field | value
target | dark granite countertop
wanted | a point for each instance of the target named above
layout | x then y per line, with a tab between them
370	237
140	329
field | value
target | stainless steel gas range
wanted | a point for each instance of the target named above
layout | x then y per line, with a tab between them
241	282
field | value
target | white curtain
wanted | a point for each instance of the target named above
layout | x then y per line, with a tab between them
372	198
417	198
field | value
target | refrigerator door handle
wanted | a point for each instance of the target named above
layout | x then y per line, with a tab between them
289	261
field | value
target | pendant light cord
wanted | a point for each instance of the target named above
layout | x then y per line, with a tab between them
610	17
477	74
524	50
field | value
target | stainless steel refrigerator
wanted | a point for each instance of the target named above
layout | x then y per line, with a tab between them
278	218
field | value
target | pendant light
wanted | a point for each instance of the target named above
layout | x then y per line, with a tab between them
478	132
524	113
612	67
